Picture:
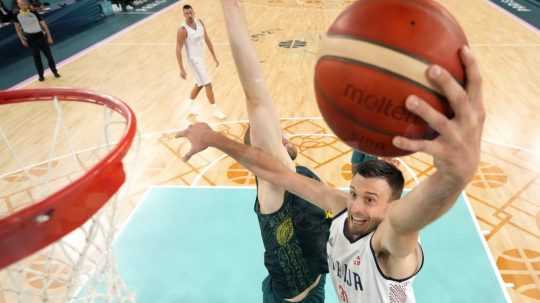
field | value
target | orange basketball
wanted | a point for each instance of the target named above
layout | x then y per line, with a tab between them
372	58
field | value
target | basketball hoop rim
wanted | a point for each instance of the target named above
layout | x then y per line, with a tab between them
23	225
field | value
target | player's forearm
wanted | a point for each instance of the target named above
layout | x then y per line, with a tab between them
211	48
425	203
19	33
244	54
179	58
254	159
22	38
46	29
266	167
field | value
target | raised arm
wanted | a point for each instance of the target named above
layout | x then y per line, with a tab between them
456	153
265	166
180	40
263	116
265	128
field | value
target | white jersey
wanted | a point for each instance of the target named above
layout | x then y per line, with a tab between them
194	43
355	273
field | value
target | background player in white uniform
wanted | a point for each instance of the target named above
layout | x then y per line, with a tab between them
191	35
374	226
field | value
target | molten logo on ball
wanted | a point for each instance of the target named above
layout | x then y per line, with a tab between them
380	105
373	57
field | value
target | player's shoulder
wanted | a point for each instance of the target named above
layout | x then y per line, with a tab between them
182	29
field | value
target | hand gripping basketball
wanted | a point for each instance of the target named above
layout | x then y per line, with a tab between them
456	150
373	56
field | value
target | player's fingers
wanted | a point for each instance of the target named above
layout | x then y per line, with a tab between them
181	133
189	155
453	91
435	119
474	78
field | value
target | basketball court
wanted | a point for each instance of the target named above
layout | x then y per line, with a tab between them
188	232
203	231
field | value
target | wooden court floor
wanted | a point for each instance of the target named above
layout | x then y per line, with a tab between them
139	67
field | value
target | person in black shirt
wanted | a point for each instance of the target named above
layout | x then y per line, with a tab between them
33	32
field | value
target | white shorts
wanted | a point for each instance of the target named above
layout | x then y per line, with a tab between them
198	68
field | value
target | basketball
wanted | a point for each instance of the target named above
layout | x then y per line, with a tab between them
372	58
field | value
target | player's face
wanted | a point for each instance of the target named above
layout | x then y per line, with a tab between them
189	14
367	204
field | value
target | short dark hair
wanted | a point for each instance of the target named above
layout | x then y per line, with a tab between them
187	6
387	171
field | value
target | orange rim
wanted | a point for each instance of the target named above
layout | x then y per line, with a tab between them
46	221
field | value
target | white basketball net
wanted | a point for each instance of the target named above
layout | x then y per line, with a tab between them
81	266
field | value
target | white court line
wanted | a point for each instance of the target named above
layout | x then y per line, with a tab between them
523	149
170	131
120	228
174	130
212	187
200	186
85	51
207	168
159	44
142	136
142	44
516	18
57	158
303	8
502	284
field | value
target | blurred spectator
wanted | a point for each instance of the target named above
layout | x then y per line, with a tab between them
36	6
6	16
39	7
124	4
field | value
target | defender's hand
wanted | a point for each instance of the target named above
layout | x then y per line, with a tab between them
198	135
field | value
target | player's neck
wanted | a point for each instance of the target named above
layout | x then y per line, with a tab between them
350	235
